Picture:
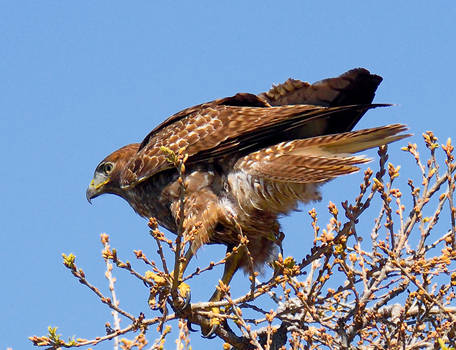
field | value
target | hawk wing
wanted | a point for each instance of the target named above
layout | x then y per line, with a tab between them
357	86
246	123
241	99
218	131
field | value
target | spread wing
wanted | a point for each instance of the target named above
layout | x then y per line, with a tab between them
245	123
217	131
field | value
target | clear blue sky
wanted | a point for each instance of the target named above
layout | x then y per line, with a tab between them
81	78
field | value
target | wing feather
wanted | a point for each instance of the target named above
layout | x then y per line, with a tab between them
220	130
238	125
357	86
317	159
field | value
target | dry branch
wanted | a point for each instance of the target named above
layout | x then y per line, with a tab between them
395	290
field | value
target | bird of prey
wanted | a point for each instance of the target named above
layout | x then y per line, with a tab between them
251	159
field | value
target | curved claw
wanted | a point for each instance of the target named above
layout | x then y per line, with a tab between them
189	326
186	295
210	325
211	333
146	284
187	299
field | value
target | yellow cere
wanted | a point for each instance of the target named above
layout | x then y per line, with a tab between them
98	185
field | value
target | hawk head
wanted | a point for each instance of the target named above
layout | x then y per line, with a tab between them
106	178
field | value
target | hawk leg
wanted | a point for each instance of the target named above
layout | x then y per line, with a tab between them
232	264
199	220
184	288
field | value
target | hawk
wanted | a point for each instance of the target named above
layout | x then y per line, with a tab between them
251	159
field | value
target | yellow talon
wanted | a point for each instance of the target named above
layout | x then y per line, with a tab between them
184	290
215	321
162	288
185	293
209	326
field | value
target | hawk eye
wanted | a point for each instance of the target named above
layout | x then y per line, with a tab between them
107	168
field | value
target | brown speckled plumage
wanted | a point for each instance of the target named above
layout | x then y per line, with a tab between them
251	159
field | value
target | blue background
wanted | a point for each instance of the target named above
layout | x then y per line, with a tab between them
79	79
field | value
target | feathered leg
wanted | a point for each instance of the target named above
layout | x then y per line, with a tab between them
232	264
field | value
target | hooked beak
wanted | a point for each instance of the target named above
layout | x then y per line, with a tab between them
91	191
94	190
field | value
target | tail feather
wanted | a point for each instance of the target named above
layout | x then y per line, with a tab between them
351	142
318	159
